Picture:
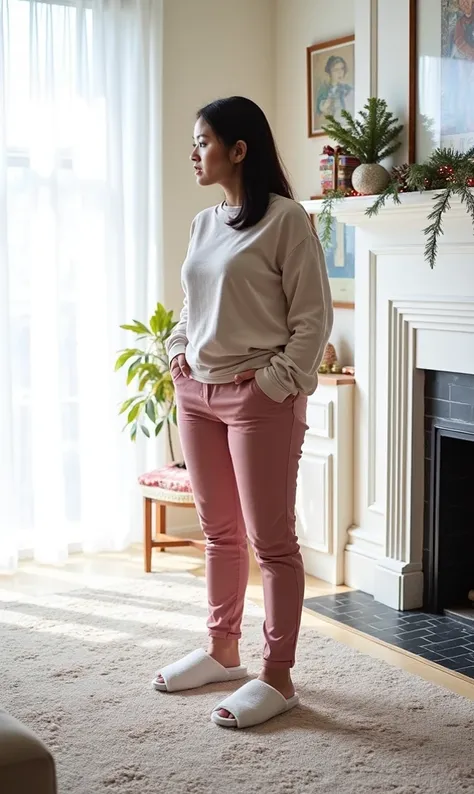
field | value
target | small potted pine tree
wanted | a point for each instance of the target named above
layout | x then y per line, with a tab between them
371	138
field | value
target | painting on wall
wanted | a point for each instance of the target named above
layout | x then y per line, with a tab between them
457	73
330	78
340	262
444	75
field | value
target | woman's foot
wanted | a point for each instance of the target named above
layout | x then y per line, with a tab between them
277	678
226	652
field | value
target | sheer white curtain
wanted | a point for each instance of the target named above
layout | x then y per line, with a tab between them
79	254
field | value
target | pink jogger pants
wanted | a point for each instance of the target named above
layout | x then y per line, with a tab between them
242	452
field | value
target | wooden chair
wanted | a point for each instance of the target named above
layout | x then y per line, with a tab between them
163	488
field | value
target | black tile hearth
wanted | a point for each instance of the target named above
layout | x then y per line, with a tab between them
437	638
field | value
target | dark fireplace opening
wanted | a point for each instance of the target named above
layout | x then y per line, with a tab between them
449	493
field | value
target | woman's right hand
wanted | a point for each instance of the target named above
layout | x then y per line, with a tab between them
178	366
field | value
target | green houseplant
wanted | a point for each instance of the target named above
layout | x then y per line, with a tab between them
153	406
371	137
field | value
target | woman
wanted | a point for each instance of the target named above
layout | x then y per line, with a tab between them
255	321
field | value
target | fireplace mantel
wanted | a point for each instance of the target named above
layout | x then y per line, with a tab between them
416	206
408	318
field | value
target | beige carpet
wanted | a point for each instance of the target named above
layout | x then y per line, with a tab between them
76	667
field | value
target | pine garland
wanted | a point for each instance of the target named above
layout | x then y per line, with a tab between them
435	229
326	215
391	191
448	172
371	138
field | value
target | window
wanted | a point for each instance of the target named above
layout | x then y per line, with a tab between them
77	261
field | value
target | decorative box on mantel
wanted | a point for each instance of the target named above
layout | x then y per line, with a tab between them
325	484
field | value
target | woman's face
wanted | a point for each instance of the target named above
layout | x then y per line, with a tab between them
466	7
211	159
338	73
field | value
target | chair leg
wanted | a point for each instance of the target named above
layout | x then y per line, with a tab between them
160	520
147	528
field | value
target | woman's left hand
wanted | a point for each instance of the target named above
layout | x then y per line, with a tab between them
249	374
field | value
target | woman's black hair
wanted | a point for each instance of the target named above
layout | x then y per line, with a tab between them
333	61
239	119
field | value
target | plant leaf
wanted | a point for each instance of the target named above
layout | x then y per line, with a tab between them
127	404
144	380
136	328
161	318
150	411
158	428
133	370
145	430
154	324
141	328
123	358
134	412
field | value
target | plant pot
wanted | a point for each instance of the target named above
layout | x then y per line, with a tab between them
369	179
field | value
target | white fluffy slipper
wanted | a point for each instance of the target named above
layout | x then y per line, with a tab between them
252	704
195	670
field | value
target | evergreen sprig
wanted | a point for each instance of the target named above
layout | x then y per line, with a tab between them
441	204
372	137
391	191
326	215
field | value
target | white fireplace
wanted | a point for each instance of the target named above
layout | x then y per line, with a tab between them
408	319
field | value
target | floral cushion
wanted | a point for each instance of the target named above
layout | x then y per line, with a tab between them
169	478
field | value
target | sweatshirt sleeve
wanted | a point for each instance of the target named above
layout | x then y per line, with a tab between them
310	316
177	340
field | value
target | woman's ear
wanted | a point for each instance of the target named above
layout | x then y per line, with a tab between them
238	152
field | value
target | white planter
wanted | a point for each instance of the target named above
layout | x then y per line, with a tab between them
370	179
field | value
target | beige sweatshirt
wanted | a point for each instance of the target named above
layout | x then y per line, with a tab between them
255	299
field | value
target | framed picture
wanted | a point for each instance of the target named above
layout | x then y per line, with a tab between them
340	262
442	43
330	76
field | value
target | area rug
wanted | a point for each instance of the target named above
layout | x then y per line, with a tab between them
76	668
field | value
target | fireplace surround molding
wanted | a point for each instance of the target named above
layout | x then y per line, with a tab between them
408	319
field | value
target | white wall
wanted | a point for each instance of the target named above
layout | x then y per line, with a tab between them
212	48
299	24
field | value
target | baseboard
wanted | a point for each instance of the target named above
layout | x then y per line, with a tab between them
400	590
359	570
321	566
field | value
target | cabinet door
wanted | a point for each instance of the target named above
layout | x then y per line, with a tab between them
314	502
